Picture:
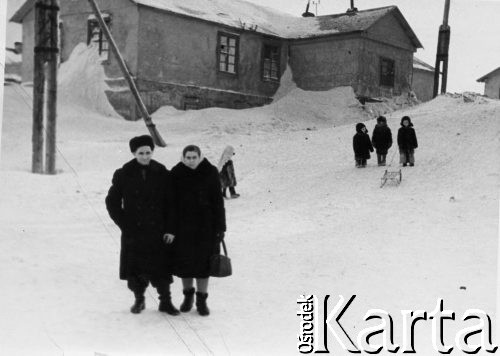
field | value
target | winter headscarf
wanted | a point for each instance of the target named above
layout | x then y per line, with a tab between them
406	118
139	141
381	119
359	127
226	156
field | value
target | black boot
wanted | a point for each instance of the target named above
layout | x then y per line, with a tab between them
139	304
166	305
187	304
201	303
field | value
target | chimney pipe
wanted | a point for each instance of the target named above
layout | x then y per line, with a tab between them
307	13
352	10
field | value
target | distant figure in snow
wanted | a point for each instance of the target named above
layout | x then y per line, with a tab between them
140	202
362	145
407	142
226	172
200	226
381	139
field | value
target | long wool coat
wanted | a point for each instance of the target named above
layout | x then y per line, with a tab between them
382	138
201	215
140	201
361	144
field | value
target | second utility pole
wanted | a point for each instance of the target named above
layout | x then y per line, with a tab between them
442	52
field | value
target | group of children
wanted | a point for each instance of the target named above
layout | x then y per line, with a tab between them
362	144
382	140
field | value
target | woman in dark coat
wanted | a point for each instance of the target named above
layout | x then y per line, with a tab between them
227	175
200	225
362	145
407	142
381	139
140	202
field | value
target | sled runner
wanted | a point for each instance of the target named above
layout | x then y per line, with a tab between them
393	176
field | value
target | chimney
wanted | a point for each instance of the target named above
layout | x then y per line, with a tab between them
307	13
352	10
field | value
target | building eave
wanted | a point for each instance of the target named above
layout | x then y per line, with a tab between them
484	78
21	13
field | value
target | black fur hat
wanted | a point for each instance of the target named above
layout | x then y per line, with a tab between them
139	141
381	119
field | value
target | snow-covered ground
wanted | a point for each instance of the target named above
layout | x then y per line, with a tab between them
307	222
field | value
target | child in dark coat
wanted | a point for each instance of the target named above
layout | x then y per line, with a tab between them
407	142
226	172
362	145
381	139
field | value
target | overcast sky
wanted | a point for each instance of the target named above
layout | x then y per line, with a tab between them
475	31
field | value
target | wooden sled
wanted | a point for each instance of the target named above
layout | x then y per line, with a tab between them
394	176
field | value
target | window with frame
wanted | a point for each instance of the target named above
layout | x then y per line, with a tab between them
386	72
270	62
227	53
96	37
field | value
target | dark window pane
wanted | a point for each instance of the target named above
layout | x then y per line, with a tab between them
227	51
270	62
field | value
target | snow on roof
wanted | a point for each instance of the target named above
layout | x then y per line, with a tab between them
248	16
484	78
419	64
234	13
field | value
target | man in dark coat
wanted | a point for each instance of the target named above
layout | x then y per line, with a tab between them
381	139
407	142
362	145
140	202
200	225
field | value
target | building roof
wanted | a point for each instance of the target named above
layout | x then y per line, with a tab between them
359	21
419	64
248	16
484	78
19	15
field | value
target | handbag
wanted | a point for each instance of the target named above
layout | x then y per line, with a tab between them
220	265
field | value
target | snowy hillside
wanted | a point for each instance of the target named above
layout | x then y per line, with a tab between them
307	222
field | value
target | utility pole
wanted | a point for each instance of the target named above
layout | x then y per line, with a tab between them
352	10
45	76
52	63
442	52
316	3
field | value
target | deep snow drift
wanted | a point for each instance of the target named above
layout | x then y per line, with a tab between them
81	81
307	222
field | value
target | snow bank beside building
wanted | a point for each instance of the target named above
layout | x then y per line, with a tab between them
293	109
82	81
334	107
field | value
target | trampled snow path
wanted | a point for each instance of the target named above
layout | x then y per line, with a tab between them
307	222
